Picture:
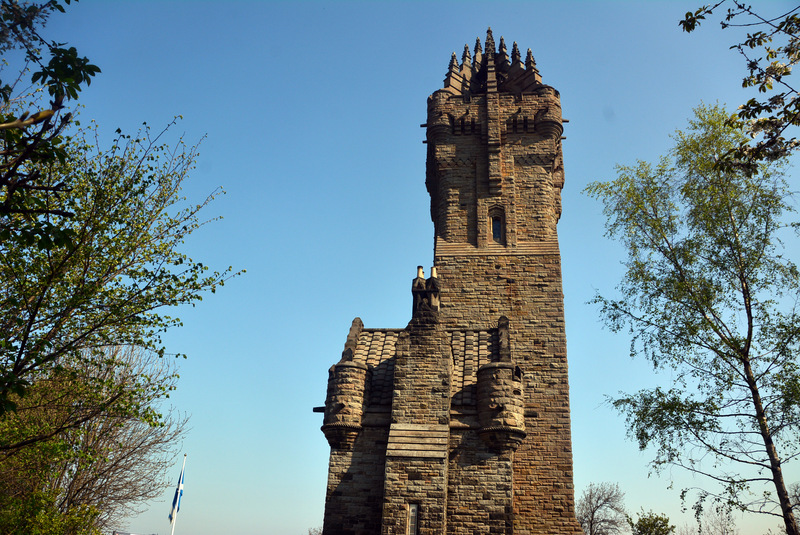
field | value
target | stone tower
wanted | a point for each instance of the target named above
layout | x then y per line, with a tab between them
460	423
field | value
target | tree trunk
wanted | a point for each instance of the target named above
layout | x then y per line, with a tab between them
772	453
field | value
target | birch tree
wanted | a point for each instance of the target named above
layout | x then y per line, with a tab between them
709	295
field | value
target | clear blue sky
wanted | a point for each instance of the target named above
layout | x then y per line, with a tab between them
310	115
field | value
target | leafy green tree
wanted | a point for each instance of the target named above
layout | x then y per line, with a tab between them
90	259
99	471
81	436
124	266
708	295
31	133
36	514
771	49
650	523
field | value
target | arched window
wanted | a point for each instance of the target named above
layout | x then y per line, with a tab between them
497	224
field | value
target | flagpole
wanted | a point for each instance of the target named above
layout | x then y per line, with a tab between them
178	494
174	521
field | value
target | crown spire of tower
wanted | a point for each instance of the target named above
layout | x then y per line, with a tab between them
491	68
491	71
453	67
490	49
515	55
517	68
477	56
466	57
503	63
530	63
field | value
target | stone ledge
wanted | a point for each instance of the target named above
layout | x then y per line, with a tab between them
549	247
418	440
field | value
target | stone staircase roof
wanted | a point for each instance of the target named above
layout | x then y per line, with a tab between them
470	349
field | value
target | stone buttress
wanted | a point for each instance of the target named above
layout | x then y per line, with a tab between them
459	423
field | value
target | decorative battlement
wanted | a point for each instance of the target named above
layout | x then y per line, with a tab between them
491	70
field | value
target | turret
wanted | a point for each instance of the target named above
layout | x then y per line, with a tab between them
500	398
347	394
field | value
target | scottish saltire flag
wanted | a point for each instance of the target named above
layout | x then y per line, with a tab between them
176	501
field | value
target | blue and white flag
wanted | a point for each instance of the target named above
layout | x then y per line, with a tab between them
176	501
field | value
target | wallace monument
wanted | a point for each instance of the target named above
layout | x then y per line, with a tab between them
459	423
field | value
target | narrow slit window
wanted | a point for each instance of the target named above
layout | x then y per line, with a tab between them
497	224
413	519
497	229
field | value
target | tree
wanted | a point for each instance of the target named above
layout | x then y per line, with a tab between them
69	397
30	143
100	471
708	295
717	521
90	258
600	509
771	49
650	523
123	266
